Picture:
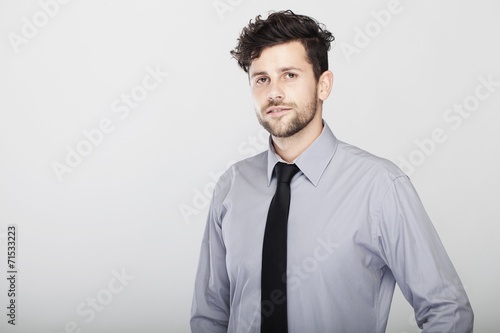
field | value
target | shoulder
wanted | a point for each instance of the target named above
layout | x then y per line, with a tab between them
241	171
362	164
377	179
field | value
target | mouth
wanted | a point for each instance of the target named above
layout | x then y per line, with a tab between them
277	111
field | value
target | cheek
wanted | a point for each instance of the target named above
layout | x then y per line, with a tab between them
309	93
258	99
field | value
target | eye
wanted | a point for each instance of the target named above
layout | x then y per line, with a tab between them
290	75
261	80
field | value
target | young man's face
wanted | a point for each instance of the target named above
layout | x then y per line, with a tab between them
284	89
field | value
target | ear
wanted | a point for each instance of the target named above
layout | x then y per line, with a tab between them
325	83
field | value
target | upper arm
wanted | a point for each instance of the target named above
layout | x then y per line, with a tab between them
210	308
414	253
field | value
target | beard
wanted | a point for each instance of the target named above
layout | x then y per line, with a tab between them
296	119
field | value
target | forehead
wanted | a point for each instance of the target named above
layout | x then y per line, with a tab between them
272	58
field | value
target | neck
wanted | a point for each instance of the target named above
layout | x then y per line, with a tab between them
291	147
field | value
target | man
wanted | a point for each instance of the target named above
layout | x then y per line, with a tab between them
353	223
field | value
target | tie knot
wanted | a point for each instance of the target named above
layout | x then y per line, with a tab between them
285	172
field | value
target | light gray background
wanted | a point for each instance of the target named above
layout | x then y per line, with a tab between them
120	209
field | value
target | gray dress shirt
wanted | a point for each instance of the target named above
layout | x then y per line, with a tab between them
356	227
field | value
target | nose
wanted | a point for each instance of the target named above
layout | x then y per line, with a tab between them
275	93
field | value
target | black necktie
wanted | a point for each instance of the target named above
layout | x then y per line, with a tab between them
273	289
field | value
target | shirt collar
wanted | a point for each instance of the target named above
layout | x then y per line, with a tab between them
313	161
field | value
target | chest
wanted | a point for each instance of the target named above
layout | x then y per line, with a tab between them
328	230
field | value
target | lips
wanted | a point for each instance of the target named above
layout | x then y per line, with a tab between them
275	111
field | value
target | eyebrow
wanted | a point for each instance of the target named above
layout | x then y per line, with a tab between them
280	70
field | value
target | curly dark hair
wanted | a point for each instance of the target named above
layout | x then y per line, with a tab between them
282	27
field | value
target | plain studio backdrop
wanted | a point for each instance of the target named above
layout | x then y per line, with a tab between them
117	117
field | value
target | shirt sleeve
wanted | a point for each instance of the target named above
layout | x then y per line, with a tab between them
210	307
416	257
